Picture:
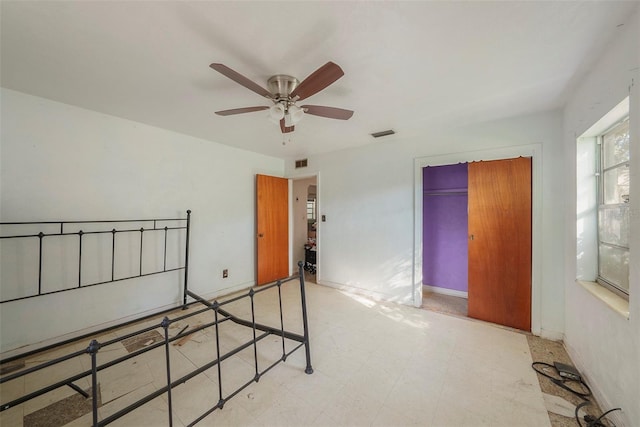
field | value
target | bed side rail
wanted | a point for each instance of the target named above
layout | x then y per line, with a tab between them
220	316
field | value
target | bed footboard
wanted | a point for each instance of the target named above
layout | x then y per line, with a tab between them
220	314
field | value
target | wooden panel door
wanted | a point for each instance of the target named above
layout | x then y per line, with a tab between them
500	242
272	226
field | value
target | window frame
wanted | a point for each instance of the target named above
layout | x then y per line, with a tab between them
600	198
311	210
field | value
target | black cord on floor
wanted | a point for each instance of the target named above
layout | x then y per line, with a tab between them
591	420
563	382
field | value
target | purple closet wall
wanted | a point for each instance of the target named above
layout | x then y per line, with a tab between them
444	226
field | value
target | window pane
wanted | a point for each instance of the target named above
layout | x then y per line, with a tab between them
613	224
614	266
616	185
615	147
311	209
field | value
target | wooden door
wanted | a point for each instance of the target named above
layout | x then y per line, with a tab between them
272	226
500	242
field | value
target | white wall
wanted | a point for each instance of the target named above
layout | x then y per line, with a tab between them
604	345
63	162
367	195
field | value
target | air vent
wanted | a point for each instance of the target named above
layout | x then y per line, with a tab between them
301	163
383	133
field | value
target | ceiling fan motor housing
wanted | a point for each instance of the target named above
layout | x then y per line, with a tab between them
281	86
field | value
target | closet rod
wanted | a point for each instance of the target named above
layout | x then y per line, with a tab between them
445	193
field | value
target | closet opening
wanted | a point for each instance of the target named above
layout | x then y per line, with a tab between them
477	240
444	238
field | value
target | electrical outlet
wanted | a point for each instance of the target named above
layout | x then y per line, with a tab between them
225	273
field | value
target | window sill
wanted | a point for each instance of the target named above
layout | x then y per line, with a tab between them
615	302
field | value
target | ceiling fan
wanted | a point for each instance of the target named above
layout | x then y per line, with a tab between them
284	91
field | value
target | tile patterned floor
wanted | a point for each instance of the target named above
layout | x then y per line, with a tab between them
375	364
546	351
542	350
444	303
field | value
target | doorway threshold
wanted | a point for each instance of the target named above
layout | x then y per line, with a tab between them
446	304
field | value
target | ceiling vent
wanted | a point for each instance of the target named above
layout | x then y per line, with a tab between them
383	133
301	163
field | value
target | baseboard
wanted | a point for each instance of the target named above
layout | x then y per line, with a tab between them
617	417
445	291
378	296
86	331
225	291
550	335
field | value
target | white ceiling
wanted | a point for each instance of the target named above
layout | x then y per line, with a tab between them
409	66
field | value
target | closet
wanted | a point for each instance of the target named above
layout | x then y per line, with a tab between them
444	231
497	236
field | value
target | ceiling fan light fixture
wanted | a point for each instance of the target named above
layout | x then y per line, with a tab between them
295	114
276	112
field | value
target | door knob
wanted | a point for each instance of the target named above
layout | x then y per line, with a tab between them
260	234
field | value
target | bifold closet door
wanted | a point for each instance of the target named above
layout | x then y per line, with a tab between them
500	242
272	226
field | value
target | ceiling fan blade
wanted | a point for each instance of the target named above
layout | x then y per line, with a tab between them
329	112
240	111
285	129
318	80
242	80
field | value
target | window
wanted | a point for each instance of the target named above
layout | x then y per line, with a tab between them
613	208
311	210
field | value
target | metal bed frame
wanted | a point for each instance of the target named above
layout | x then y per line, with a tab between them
220	315
152	228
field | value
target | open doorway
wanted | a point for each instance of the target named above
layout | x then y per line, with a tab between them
305	224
